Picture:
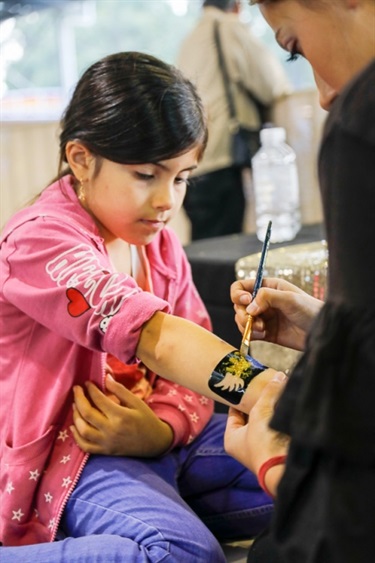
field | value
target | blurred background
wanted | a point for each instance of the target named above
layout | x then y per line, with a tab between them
45	45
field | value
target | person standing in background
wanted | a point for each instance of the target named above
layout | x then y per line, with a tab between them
215	200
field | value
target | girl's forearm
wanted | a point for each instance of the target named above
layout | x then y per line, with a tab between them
187	354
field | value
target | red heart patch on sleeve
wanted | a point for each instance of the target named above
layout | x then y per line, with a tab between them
77	302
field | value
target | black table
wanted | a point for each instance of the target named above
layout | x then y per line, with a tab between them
213	267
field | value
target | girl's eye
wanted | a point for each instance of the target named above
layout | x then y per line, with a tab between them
143	176
185	181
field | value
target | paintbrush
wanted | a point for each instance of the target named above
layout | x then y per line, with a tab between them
245	344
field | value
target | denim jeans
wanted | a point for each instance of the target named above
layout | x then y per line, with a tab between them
162	509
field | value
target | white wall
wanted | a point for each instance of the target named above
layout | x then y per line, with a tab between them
28	161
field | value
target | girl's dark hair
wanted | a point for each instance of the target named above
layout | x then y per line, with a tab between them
133	108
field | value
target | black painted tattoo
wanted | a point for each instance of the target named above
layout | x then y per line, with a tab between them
232	376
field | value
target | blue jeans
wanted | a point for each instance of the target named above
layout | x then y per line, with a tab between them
162	509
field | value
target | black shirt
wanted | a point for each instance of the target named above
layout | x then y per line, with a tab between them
325	510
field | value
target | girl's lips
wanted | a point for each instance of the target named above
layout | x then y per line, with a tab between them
153	223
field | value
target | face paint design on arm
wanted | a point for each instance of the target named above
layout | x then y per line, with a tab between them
232	376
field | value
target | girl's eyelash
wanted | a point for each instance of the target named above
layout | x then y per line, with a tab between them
144	176
185	181
147	177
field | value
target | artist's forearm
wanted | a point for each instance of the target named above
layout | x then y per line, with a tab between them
185	353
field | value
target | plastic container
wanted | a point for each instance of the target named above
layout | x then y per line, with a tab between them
276	189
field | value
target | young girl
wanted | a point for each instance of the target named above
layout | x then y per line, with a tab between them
90	276
325	509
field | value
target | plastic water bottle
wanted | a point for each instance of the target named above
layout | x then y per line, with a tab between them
276	188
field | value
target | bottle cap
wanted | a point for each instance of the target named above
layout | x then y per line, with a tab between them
272	135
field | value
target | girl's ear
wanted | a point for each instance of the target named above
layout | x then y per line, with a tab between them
79	158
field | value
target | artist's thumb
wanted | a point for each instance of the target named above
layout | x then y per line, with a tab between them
272	391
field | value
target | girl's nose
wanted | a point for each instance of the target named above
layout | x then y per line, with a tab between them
164	196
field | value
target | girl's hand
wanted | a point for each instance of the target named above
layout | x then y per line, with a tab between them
282	312
119	423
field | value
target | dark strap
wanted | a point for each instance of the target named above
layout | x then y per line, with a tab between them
224	71
260	107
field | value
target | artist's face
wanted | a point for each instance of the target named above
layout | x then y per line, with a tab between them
134	202
322	35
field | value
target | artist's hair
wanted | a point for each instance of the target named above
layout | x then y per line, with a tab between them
133	108
220	4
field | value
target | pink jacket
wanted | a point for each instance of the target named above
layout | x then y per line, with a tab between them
63	307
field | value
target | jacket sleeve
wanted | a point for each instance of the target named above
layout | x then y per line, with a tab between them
185	411
60	278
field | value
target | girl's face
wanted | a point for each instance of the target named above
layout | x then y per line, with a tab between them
334	37
134	202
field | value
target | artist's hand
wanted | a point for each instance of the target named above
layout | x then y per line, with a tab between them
119	423
255	389
283	313
250	440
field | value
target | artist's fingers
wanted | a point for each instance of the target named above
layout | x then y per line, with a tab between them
258	326
235	435
240	292
236	419
268	298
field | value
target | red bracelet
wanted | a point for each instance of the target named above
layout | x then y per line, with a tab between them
277	460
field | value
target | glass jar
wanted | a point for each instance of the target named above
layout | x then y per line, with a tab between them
304	265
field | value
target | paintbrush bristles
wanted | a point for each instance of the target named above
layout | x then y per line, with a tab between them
245	344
